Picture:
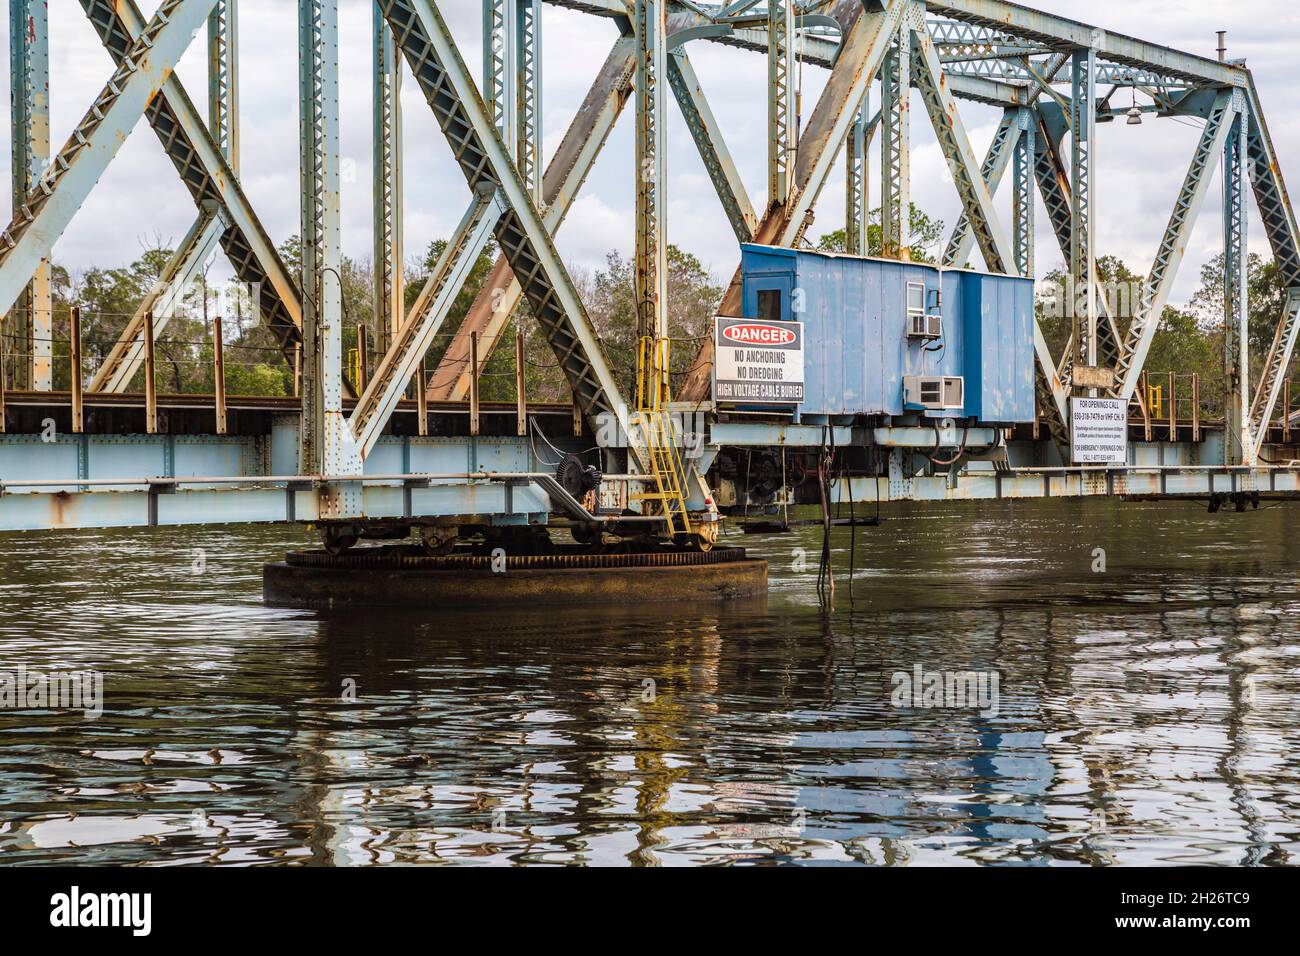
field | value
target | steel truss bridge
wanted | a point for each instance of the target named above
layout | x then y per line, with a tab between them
382	450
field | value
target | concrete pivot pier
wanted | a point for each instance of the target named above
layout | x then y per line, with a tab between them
403	576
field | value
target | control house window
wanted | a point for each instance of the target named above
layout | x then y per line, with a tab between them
769	305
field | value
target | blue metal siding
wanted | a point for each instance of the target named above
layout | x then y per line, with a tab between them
997	313
855	321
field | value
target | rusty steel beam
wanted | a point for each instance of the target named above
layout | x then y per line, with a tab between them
568	170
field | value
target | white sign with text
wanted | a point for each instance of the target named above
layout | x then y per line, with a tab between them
758	361
1098	431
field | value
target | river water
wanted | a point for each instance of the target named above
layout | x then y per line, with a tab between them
1145	657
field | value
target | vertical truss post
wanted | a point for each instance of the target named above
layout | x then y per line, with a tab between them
500	33
223	79
150	378
782	114
528	83
74	369
29	62
1237	444
219	374
651	258
327	446
389	305
473	384
422	401
856	180
1022	209
521	387
895	161
1083	129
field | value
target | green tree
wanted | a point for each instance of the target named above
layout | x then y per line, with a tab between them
924	234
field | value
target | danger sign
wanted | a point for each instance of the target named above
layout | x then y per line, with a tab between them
758	361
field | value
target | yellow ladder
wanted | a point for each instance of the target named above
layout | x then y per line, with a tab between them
666	468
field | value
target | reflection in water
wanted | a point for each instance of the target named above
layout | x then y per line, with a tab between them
1147	713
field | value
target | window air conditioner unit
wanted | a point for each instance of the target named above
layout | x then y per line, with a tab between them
921	326
933	391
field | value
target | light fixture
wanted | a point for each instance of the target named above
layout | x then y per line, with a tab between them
1134	114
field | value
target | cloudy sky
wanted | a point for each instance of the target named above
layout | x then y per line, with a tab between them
1138	173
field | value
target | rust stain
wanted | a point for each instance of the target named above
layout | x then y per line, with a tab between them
60	510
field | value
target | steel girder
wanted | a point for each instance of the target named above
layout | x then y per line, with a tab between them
511	81
196	249
1062	33
895	147
1284	237
1173	245
1022	199
209	177
1054	187
451	93
500	76
1006	140
389	308
565	174
977	200
50	207
1271	196
995	245
857	173
651	262
1275	368
327	443
712	147
782	117
1236	312
1083	250
29	78
223	79
867	34
384	389
528	148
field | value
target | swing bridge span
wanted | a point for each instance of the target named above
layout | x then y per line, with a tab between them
375	446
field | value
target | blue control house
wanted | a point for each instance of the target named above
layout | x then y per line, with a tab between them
884	337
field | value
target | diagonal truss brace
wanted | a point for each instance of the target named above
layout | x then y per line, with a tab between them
209	177
977	201
400	362
127	354
712	147
565	174
994	243
73	173
1173	245
1270	383
435	61
1054	188
996	161
1284	237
